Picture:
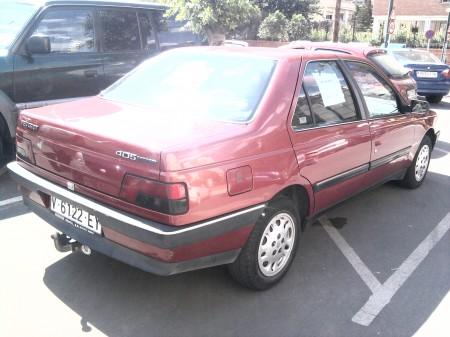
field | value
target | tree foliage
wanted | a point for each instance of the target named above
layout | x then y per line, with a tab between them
274	27
214	18
299	28
289	7
363	16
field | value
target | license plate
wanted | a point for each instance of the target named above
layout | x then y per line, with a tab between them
427	74
75	215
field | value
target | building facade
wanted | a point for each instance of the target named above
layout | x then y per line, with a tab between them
328	10
423	14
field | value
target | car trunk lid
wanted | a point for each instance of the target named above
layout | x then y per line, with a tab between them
91	146
427	72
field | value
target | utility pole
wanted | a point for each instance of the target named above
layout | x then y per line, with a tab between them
354	27
337	21
388	23
444	48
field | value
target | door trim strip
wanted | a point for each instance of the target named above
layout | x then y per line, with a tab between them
346	175
390	157
341	177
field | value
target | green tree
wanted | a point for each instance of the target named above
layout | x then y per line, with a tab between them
289	7
274	27
363	16
214	18
299	28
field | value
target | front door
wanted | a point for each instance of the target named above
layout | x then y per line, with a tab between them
73	67
392	131
330	138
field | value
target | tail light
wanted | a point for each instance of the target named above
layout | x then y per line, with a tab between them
446	73
24	149
168	198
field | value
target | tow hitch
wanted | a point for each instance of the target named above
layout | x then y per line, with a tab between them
63	244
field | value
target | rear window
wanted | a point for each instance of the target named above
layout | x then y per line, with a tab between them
212	85
390	65
408	56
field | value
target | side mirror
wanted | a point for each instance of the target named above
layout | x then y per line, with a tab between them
419	106
38	45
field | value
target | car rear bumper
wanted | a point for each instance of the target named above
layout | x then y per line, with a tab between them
425	88
145	244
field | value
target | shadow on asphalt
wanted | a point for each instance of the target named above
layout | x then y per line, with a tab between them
318	297
13	210
443	105
443	145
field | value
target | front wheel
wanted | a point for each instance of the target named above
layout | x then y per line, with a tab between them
434	98
419	167
3	156
270	248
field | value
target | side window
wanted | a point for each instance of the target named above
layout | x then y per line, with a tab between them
379	97
120	30
69	30
173	33
147	31
302	115
329	94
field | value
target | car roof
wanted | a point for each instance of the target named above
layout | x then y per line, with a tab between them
274	53
111	3
352	48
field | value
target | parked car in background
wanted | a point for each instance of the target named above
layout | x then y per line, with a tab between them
64	49
218	155
399	75
431	74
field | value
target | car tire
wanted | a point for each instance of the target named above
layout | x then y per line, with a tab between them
4	148
417	171
434	98
271	247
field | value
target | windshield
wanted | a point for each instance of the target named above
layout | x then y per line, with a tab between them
214	85
13	16
389	64
415	56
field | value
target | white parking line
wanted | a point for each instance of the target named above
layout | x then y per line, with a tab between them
10	201
363	271
383	296
383	293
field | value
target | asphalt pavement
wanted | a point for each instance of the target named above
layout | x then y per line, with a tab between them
378	265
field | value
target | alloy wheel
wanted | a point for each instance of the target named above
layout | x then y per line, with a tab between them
276	244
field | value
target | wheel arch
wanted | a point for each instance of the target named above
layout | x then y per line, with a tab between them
8	113
432	134
301	198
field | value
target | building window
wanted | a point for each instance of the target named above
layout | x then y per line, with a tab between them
329	17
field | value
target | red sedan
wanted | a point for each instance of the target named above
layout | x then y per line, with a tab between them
209	156
399	76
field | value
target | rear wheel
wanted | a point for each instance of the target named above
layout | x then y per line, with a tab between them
271	247
419	167
434	98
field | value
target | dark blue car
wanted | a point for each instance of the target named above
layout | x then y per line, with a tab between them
432	76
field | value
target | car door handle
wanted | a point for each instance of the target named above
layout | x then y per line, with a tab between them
90	73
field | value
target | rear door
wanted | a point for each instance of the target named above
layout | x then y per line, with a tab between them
331	139
127	38
392	131
71	69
